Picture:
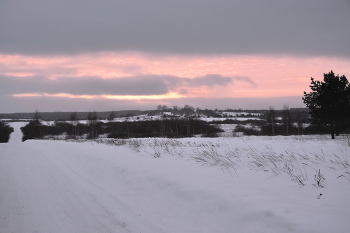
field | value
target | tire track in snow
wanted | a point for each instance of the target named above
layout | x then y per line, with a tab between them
41	193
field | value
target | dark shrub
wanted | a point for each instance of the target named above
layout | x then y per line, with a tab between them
246	130
5	131
171	128
31	130
316	129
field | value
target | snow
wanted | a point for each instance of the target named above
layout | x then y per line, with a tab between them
231	118
236	184
240	113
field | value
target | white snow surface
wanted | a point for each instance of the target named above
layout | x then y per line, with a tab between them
240	113
184	185
229	118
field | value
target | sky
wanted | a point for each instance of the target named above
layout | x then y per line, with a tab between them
85	55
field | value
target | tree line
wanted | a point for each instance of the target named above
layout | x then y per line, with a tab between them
184	127
329	110
280	122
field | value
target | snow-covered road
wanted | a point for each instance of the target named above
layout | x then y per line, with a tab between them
39	192
58	186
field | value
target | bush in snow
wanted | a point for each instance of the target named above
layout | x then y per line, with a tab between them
5	131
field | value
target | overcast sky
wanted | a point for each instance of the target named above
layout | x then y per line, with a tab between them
81	55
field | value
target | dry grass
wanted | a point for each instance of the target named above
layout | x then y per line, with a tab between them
232	158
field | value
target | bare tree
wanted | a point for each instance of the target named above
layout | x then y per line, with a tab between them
161	128
177	131
111	120
271	115
74	121
188	126
37	121
286	118
127	126
297	119
92	120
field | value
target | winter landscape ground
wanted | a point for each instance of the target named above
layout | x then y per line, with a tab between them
231	184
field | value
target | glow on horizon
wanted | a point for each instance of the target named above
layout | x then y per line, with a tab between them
274	76
119	97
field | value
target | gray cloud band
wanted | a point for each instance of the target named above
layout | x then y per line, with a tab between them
137	85
312	28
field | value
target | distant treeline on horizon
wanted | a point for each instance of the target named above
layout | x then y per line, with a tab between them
50	116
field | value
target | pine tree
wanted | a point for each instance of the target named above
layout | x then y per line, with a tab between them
329	102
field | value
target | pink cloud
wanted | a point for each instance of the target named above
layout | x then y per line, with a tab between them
272	76
170	95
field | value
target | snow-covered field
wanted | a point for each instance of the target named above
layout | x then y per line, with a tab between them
240	184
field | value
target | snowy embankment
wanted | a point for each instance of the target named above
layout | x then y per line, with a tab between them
244	184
